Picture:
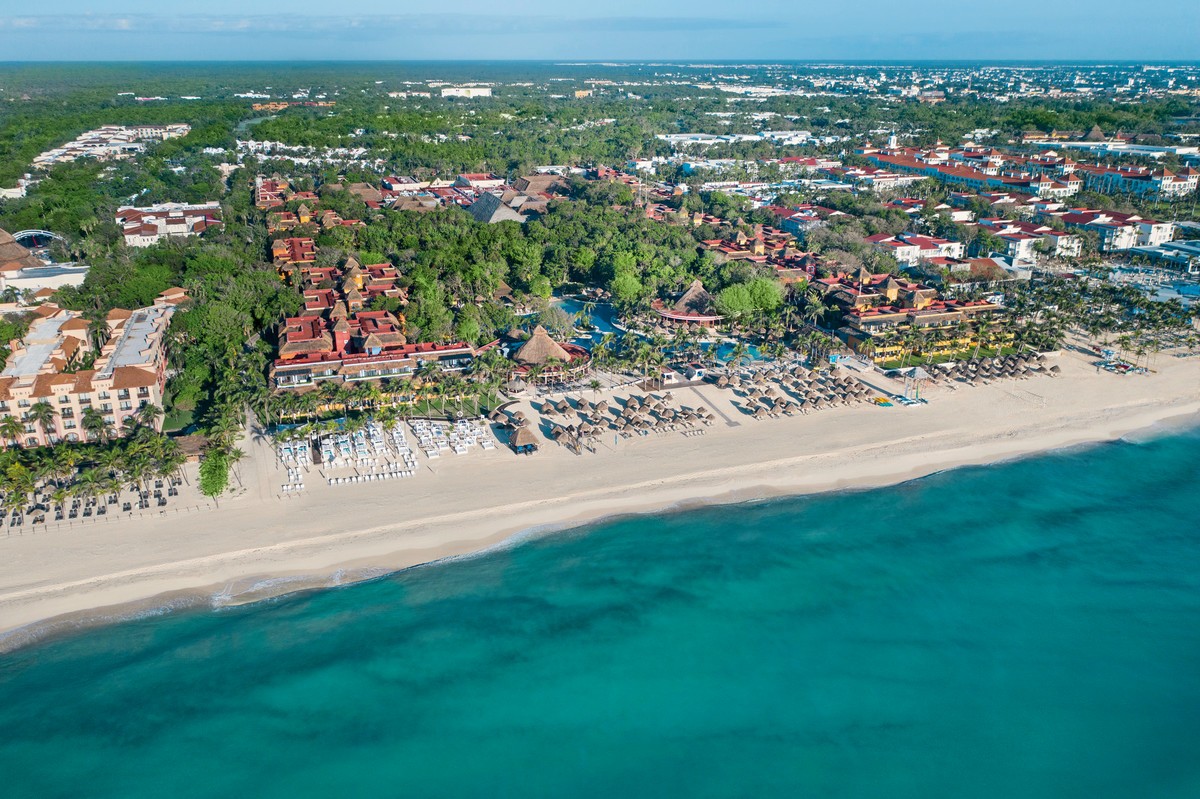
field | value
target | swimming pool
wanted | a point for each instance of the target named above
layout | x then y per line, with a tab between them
600	317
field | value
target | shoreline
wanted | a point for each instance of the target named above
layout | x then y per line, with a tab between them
255	548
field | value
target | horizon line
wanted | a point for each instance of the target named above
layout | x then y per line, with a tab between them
626	61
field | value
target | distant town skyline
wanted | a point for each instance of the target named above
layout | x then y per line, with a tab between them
757	30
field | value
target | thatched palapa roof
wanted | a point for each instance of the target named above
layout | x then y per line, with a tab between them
524	437
540	349
694	301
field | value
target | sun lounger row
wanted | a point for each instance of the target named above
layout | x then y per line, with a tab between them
366	478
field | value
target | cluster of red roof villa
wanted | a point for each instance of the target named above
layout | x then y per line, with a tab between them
879	309
336	336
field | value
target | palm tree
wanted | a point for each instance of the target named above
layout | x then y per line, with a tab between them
98	332
740	353
66	462
814	308
94	424
233	456
148	415
867	349
595	385
43	414
11	430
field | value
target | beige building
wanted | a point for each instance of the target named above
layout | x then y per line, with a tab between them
128	372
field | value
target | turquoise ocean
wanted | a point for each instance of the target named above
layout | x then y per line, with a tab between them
1028	629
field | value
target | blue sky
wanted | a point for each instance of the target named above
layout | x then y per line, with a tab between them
757	30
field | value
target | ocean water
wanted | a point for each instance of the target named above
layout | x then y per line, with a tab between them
1030	629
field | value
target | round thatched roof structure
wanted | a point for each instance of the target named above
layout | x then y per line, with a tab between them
540	349
524	437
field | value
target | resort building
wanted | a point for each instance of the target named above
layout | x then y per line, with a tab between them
1025	240
885	317
864	289
1119	231
1184	254
143	227
763	243
1159	182
541	359
21	270
338	337
911	248
352	283
490	209
467	91
284	221
288	254
941	328
694	308
349	347
125	374
271	192
110	143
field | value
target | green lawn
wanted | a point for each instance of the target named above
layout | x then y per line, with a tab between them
964	355
177	420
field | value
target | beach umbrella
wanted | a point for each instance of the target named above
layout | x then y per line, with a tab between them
760	412
1055	369
524	438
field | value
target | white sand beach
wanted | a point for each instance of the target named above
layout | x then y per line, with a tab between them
259	543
